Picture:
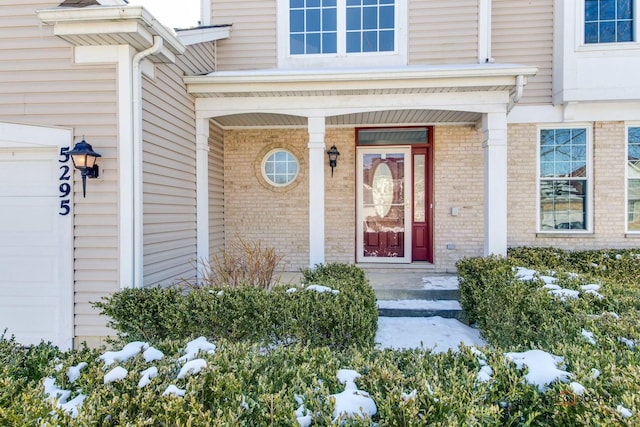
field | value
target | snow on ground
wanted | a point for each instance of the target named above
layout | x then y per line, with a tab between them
440	282
435	333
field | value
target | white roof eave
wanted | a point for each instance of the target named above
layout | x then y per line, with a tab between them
351	79
111	14
193	36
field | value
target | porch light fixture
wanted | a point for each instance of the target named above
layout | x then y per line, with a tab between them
333	154
84	159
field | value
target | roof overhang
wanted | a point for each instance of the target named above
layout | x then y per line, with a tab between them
112	25
197	35
452	94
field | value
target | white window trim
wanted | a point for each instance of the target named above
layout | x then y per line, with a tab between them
626	178
268	179
581	46
342	59
589	202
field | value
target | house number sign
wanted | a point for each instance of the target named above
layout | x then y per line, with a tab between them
65	179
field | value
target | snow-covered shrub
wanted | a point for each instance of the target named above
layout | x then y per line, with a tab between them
341	318
249	384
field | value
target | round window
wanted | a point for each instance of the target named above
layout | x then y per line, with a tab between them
280	167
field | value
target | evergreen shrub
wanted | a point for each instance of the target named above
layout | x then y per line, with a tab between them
285	314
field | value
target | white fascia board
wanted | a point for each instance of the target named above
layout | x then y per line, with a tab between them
357	79
113	15
203	34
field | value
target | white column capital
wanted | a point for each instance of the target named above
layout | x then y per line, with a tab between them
316	129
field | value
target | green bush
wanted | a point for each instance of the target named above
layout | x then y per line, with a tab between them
247	384
341	319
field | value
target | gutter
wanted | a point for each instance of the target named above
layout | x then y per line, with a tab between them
137	165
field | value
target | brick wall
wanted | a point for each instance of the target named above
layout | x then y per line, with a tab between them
458	183
608	183
256	211
340	200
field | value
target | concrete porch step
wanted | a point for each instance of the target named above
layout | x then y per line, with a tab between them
417	294
449	309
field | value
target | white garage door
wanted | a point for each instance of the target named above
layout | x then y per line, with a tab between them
36	291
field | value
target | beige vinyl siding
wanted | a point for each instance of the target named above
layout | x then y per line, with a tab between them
216	189
39	84
522	33
199	58
169	180
443	32
252	44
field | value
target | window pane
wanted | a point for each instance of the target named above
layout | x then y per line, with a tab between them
633	153
633	205
369	41
313	20
328	3
387	19
591	32
296	21
591	10
329	19
297	4
353	19
297	44
386	41
624	31
607	32
607	9
625	10
353	42
313	43
313	3
562	205
329	43
370	18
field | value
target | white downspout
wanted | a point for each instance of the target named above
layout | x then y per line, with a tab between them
518	95
137	203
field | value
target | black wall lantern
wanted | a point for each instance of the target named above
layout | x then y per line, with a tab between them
333	154
84	159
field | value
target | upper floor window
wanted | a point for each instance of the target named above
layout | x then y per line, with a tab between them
338	26
633	179
564	172
356	32
608	21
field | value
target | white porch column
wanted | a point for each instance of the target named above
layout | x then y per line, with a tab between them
316	128
494	143
202	192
